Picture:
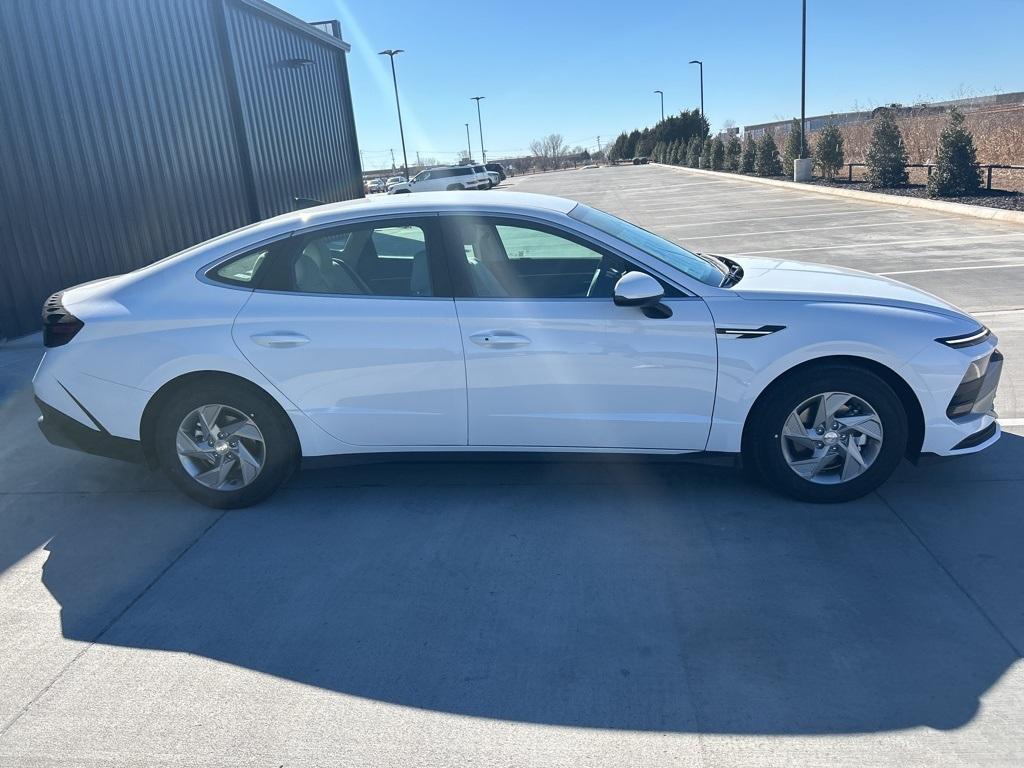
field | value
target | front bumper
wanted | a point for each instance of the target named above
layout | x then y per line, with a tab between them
66	432
969	421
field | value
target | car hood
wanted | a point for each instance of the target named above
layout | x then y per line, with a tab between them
783	280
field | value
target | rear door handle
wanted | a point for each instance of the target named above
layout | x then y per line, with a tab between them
280	340
499	339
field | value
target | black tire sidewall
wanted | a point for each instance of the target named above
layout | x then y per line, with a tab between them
764	445
278	434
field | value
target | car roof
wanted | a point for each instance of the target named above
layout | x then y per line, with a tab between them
431	202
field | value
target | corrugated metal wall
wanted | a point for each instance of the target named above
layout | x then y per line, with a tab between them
130	129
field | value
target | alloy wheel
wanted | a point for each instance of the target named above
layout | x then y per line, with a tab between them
220	447
831	438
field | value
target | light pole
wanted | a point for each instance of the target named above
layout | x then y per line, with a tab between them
803	79
662	93
480	122
469	145
391	53
701	63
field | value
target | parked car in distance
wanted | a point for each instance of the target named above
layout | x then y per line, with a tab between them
392	181
498	168
487	178
452	178
513	322
640	161
588	167
376	185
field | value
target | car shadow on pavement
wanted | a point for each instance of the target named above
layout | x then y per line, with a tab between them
628	595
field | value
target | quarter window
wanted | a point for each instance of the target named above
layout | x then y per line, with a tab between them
241	270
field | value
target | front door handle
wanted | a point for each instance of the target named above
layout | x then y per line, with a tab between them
280	340
499	339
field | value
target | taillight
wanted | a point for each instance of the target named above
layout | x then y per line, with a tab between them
59	325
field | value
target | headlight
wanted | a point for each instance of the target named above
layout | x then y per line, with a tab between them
966	339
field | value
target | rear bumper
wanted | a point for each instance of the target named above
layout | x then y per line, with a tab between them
66	432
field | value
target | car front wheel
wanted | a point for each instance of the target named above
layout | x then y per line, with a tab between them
828	434
225	449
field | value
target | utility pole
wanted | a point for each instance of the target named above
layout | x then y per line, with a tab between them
599	145
480	122
392	52
469	145
393	161
662	94
419	163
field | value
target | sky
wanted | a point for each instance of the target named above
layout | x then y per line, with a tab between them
589	69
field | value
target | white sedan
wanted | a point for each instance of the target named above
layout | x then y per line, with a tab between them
454	322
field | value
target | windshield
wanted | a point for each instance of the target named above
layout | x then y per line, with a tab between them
701	268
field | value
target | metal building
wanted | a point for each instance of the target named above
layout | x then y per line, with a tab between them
131	129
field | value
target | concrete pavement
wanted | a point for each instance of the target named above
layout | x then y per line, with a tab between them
529	613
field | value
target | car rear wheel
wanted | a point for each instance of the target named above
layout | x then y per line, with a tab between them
827	434
225	449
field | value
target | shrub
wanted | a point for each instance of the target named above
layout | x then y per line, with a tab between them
678	153
956	172
717	154
693	148
887	156
733	150
766	159
793	149
705	153
748	154
828	151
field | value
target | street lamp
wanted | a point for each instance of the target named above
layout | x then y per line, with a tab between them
662	104
701	63
469	145
391	53
803	80
483	152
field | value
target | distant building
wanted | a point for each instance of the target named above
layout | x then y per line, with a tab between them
133	130
817	122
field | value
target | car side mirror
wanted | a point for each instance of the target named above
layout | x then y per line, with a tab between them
636	289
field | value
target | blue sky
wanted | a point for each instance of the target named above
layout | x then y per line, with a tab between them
584	69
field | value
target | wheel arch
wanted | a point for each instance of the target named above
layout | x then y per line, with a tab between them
147	423
910	401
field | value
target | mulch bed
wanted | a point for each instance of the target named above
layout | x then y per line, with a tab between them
995	198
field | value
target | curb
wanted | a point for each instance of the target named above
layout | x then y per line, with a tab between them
960	209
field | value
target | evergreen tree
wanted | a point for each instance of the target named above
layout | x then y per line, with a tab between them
705	153
956	172
829	155
792	150
717	154
733	149
766	159
631	141
693	148
645	145
887	156
618	149
748	154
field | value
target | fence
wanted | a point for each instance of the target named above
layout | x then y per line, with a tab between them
987	167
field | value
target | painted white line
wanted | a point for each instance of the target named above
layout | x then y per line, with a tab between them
842	212
1011	422
810	229
951	269
955	239
1008	311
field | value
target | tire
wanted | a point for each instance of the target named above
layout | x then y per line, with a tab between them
277	447
454	187
402	192
774	443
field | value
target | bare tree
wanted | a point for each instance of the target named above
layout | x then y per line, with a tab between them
549	149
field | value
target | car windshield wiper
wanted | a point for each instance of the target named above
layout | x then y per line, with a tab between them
714	261
735	273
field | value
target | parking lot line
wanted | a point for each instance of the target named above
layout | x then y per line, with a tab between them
951	269
954	238
839	212
806	229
